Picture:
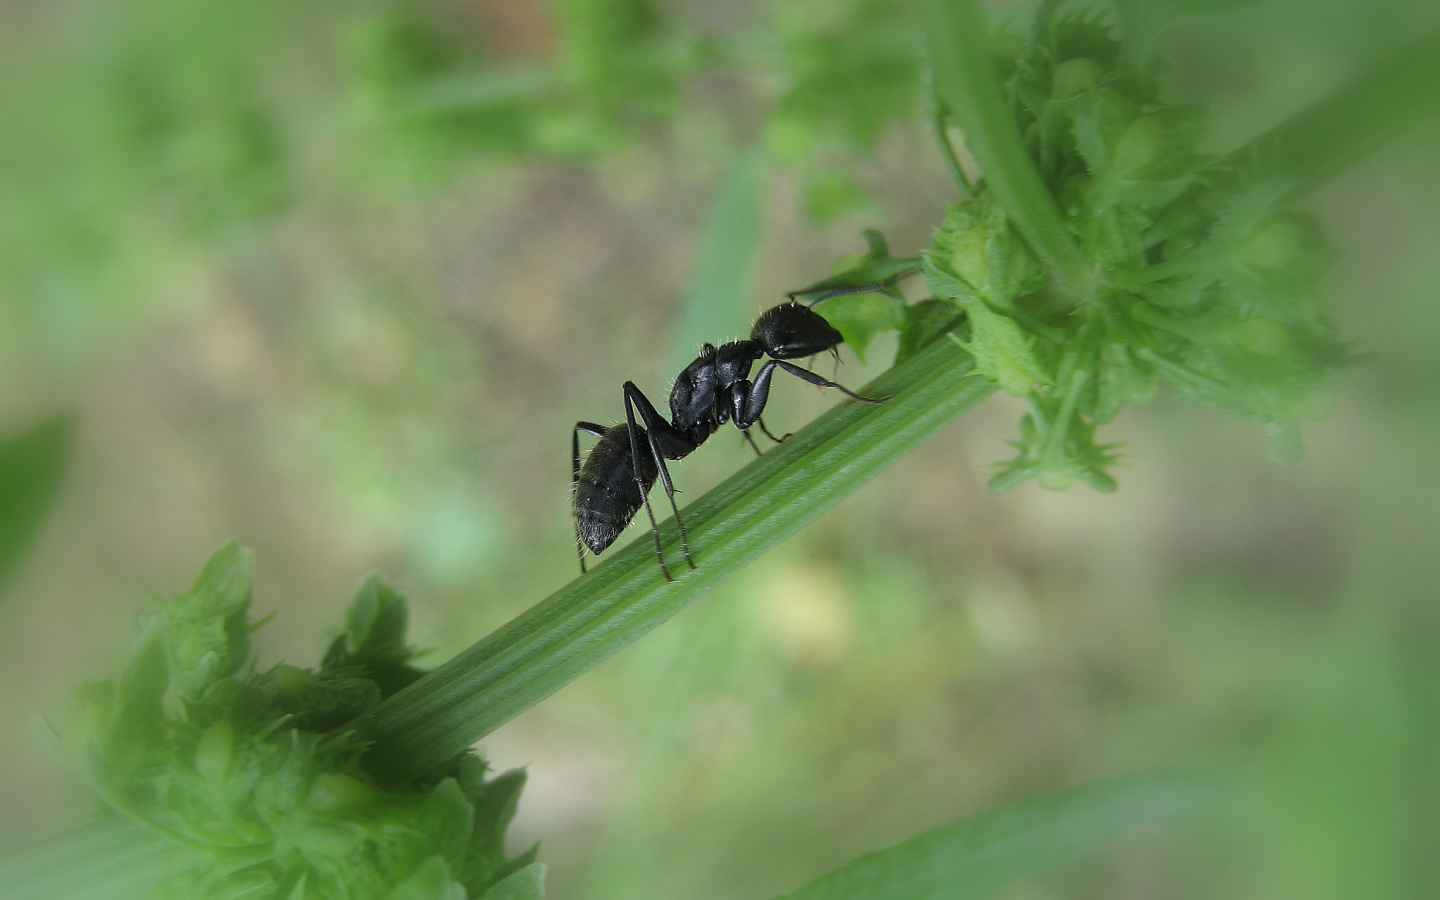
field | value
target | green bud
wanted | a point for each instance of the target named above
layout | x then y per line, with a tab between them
1263	337
1055	479
1272	247
292	679
1146	392
1074	76
1002	351
216	751
332	792
1138	146
968	259
1120	380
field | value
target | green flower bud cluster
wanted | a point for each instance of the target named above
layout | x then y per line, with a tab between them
257	779
980	264
1200	278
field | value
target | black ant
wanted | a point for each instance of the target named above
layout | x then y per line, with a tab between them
714	389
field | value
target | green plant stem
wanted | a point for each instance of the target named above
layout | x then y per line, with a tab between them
940	122
423	727
966	82
113	857
1317	143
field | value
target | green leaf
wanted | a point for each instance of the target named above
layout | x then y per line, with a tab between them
374	639
430	881
860	317
526	884
1141	21
31	467
494	806
1002	350
857	313
868	271
974	857
207	636
976	254
924	322
447	818
1394	95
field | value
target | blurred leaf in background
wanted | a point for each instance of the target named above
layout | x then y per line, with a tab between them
717	305
32	465
976	857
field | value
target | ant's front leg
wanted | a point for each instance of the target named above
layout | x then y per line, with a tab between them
751	399
748	398
663	440
818	381
780	440
761	422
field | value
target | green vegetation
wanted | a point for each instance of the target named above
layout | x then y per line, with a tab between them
1098	247
248	777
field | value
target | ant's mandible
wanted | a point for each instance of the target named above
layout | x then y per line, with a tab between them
617	476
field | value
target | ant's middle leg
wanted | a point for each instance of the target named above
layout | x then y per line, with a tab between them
663	440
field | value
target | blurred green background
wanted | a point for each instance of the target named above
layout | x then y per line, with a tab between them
337	278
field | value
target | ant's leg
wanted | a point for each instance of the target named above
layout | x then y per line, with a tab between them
659	431
594	430
761	423
751	397
751	441
640	484
812	378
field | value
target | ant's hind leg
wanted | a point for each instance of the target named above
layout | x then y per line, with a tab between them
656	428
640	484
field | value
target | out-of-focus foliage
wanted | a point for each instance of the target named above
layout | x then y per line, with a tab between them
828	79
251	773
976	857
31	466
141	134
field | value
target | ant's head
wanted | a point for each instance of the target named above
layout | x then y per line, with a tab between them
792	331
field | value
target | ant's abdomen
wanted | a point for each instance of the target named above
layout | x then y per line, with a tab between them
606	495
